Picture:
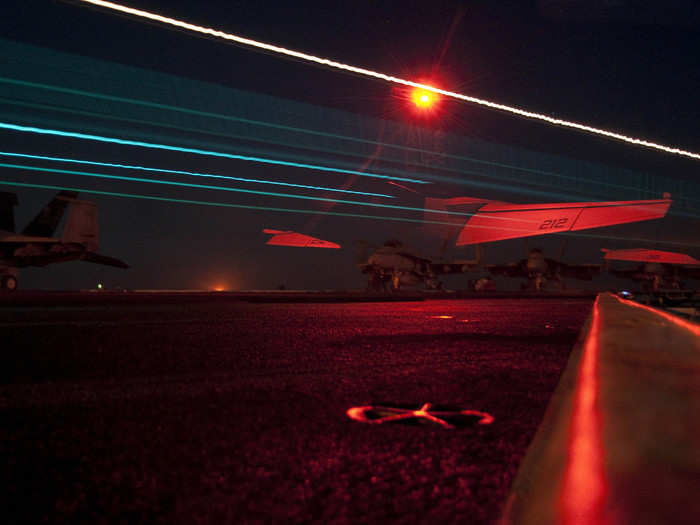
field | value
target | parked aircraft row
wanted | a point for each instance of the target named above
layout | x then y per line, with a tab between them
462	221
475	221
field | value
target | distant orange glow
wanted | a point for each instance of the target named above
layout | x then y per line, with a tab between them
442	317
584	488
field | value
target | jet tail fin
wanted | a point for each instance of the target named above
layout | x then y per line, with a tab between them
82	225
7	213
500	221
46	221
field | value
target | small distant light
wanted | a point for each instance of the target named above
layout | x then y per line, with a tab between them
99	286
442	317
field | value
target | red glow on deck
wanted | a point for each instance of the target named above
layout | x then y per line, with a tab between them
382	414
693	328
584	487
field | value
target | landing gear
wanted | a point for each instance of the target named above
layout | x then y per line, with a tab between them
8	283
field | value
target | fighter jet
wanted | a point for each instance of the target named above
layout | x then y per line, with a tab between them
394	266
542	271
657	270
36	244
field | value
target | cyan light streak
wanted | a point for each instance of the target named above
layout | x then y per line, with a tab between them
197	151
224	188
432	177
218	204
195	174
461	171
326	62
292	210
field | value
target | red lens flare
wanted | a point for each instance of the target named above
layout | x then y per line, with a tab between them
422	101
422	98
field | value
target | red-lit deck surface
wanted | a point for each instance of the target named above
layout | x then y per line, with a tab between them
196	408
620	442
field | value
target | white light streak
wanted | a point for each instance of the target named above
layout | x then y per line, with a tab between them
388	78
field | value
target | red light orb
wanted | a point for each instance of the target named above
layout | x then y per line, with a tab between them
423	98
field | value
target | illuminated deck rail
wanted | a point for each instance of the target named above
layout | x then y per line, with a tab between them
619	442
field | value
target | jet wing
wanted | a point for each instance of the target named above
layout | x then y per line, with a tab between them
496	221
291	238
41	259
103	259
644	255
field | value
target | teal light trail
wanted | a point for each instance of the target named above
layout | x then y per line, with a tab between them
208	114
197	151
219	204
293	210
195	174
224	188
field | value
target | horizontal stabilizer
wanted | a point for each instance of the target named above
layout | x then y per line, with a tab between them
299	240
644	255
498	221
103	259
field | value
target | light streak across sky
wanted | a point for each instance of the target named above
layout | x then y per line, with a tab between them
388	78
211	203
317	147
191	173
226	188
197	151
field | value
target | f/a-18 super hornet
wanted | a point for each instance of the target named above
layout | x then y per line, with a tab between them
542	271
657	270
393	266
36	244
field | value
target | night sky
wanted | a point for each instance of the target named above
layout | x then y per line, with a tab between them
624	65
